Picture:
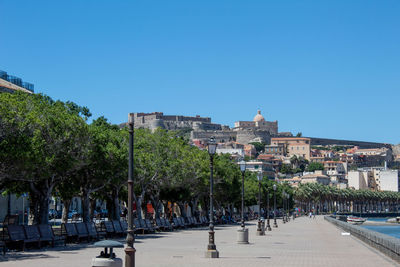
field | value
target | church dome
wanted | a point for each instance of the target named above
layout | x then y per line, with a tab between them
258	117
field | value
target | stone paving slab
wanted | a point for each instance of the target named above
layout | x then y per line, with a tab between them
303	242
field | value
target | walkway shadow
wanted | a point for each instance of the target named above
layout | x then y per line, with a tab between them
20	255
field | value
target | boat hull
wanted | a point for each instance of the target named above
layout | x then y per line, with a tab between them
355	220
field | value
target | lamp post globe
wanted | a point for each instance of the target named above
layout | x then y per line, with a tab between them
275	224
242	233
260	230
212	251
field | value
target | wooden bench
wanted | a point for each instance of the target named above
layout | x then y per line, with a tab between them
93	232
47	233
69	231
150	225
82	231
176	223
147	228
32	235
108	228
191	222
204	220
160	225
117	228
138	226
194	221
11	220
167	224
17	235
182	222
3	247
124	226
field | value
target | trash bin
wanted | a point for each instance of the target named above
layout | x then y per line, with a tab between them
107	257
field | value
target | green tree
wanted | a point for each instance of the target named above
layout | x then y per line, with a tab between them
286	169
259	146
313	166
41	143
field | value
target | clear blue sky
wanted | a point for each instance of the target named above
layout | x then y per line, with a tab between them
324	68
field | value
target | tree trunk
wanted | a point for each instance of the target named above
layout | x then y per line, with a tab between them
85	206
139	206
156	205
117	209
44	210
65	210
92	208
33	216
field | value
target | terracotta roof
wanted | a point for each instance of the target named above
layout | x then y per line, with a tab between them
265	156
312	176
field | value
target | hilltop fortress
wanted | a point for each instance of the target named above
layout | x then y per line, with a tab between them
243	132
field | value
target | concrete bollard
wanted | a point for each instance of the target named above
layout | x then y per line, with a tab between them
107	257
242	235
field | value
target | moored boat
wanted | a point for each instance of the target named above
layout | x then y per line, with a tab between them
355	220
393	220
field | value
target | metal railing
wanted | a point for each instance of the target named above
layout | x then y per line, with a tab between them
17	81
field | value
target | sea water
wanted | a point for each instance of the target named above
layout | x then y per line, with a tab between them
390	229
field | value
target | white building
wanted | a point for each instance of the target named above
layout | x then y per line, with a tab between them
387	180
257	166
359	179
231	151
377	178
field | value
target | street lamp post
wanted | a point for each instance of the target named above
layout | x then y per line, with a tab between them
275	224
130	237
260	231
212	251
268	225
288	208
243	232
283	206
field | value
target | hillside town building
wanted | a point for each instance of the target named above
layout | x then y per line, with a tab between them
10	84
316	177
378	178
292	146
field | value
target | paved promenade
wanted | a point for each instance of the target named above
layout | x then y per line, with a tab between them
303	242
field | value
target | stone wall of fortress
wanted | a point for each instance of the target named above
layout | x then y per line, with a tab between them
220	136
245	136
185	118
324	142
396	149
173	122
271	126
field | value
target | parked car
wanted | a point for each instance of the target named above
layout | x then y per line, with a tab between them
54	214
71	213
104	213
